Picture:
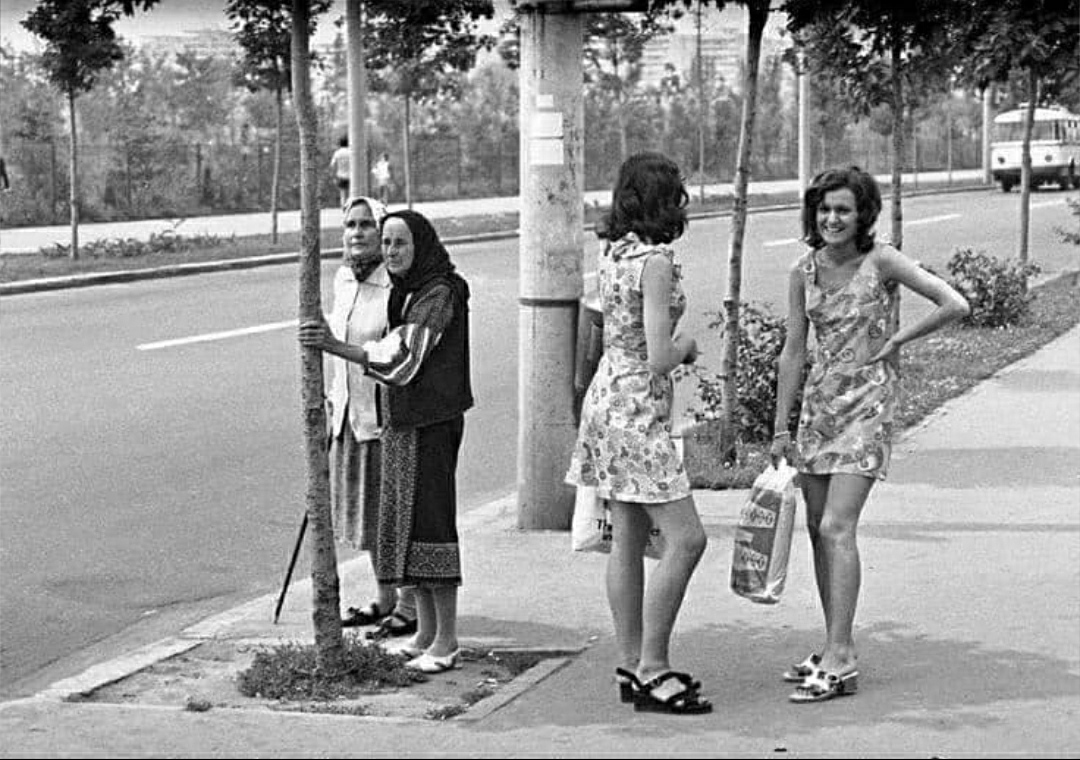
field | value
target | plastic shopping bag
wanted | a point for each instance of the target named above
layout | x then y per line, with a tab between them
763	536
590	528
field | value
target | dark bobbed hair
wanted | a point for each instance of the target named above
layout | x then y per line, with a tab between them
649	200
343	141
867	203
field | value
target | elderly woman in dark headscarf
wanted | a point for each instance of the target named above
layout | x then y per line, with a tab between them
423	365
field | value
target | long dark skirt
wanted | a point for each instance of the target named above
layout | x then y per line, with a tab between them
417	524
354	489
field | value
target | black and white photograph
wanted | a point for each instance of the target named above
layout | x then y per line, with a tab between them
539	378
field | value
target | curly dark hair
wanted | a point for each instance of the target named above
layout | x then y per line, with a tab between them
649	200
867	203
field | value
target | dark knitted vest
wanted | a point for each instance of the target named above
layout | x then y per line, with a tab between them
442	389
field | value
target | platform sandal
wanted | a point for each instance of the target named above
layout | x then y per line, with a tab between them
798	673
821	686
686	702
627	682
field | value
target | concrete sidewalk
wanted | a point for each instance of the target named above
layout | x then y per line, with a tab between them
18	240
968	625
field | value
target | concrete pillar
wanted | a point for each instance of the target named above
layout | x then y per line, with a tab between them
551	253
357	87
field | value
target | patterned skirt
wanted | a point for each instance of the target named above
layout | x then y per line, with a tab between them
354	489
417	522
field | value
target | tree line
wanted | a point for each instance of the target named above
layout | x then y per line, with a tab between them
184	135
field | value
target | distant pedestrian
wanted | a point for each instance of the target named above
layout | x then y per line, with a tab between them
422	366
5	183
624	447
383	174
846	286
339	167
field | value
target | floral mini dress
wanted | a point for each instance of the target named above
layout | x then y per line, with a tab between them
846	421
624	446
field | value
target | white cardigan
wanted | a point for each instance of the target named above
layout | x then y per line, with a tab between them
358	316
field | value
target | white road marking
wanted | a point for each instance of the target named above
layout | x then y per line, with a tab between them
931	219
217	335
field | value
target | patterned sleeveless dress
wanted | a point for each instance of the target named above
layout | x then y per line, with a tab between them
624	446
846	421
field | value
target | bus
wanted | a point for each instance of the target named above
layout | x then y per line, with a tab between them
1055	148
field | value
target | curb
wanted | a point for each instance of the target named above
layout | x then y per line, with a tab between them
75	688
204	267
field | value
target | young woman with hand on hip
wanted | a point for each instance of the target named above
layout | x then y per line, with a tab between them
845	286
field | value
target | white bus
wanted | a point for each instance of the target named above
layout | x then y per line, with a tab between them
1055	148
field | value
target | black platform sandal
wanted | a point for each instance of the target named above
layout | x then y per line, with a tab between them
686	702
393	625
628	682
368	615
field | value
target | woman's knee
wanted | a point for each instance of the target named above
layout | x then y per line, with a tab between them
690	542
835	531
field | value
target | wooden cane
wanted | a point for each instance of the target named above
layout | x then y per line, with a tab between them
292	564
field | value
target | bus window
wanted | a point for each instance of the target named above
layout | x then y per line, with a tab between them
1014	132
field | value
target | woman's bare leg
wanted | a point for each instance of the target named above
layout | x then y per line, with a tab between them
625	579
684	543
445	609
837	534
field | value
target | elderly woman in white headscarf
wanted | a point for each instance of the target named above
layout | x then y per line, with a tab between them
359	314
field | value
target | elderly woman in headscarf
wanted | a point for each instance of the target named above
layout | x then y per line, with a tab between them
358	315
422	366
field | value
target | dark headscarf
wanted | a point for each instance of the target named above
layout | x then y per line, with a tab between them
430	261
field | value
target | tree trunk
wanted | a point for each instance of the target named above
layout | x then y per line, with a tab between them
1025	165
73	178
275	181
914	151
896	72
897	141
729	362
620	104
326	615
700	81
408	153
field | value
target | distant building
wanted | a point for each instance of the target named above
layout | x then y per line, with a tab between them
723	47
205	43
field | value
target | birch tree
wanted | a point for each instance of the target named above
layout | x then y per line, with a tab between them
79	43
325	583
1040	41
263	28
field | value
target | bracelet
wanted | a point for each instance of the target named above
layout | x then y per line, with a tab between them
782	434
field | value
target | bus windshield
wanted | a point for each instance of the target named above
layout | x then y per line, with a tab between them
1014	132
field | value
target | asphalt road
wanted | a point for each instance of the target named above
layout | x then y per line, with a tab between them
150	448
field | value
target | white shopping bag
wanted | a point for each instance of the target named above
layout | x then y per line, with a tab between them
763	536
590	528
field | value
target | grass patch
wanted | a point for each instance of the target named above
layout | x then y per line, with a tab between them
289	672
936	369
955	359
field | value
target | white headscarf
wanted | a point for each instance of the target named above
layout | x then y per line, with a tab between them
378	210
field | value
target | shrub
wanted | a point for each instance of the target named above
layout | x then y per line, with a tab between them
1068	235
997	291
166	241
761	337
